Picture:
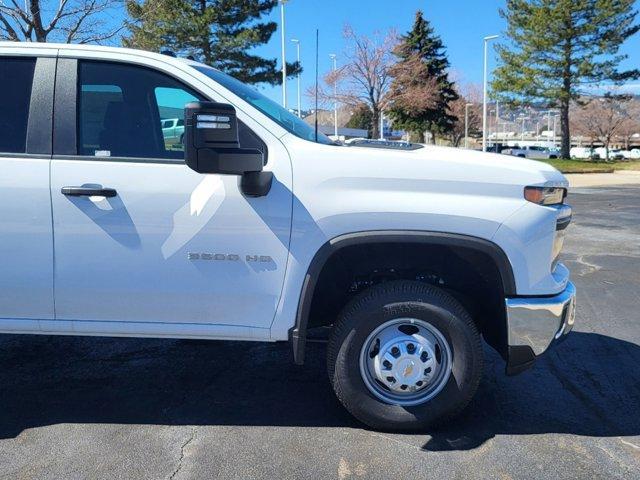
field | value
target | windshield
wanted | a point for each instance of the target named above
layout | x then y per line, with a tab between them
278	114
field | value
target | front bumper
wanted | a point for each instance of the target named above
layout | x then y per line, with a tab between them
535	323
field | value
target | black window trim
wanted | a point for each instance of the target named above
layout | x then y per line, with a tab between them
38	141
65	113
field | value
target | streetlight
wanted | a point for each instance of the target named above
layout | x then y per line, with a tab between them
523	120
549	112
297	42
284	56
466	124
484	93
333	57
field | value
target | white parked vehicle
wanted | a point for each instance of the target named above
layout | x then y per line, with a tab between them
601	153
583	153
264	230
633	154
533	152
173	131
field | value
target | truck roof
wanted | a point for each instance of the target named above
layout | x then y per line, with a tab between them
14	46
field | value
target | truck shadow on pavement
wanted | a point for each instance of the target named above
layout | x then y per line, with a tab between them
589	386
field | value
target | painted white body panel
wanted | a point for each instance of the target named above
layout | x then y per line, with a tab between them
26	248
340	190
121	265
126	257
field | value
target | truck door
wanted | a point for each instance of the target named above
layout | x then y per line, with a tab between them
143	244
26	238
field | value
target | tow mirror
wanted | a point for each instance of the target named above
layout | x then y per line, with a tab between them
212	146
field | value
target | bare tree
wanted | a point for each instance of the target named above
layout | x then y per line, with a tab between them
631	126
468	94
414	88
67	21
363	77
603	118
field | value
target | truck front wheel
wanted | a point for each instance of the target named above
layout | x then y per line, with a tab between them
403	356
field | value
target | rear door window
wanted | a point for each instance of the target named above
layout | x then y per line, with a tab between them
16	78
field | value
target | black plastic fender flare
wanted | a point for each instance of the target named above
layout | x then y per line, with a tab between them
298	334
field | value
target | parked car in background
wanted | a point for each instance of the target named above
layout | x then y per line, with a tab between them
631	154
613	154
534	152
583	153
173	130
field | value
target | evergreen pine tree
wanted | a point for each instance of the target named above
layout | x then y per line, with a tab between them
556	47
220	33
422	52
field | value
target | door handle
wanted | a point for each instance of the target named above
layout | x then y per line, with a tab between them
88	192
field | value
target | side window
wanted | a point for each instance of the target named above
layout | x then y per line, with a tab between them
16	78
136	112
129	111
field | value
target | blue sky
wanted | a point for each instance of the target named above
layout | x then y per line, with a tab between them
461	23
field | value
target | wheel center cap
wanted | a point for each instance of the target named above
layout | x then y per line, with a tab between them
407	368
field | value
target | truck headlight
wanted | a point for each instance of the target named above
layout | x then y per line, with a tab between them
562	222
545	195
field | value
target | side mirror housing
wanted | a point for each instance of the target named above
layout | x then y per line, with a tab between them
211	141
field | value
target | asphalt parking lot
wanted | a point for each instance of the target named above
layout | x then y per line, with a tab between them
160	409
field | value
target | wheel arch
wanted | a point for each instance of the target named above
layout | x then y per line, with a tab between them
298	333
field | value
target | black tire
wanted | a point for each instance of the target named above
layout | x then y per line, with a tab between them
404	299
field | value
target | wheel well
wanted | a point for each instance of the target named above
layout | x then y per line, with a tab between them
475	276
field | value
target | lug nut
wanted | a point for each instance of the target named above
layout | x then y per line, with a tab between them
386	364
395	351
411	348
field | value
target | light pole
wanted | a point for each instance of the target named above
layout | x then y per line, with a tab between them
466	124
381	125
284	56
333	57
523	120
548	123
297	42
484	93
489	133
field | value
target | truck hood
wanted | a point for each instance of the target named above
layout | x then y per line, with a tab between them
457	165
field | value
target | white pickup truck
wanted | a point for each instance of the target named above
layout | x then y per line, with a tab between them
533	152
264	230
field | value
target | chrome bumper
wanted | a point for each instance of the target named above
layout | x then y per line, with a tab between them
535	323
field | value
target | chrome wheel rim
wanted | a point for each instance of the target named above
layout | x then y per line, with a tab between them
405	362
